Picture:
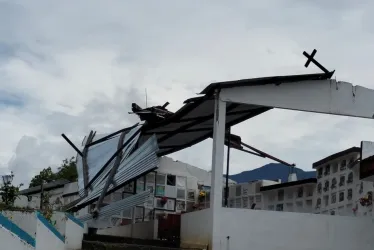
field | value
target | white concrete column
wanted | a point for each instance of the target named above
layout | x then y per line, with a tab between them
217	170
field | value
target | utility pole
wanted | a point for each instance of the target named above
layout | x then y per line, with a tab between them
41	195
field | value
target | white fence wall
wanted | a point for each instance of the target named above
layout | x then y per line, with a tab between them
142	230
9	241
73	233
269	230
47	236
195	227
66	233
59	222
13	237
25	220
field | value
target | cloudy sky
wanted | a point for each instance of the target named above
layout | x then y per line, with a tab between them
71	66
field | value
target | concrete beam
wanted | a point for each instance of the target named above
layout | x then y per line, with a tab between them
319	96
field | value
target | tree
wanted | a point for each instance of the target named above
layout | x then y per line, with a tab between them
46	175
67	171
9	192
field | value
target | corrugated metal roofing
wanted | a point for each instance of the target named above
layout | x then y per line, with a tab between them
117	207
141	161
99	154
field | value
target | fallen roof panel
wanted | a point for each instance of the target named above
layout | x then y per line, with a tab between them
117	207
140	162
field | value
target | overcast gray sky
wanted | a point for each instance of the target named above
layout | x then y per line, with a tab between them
71	66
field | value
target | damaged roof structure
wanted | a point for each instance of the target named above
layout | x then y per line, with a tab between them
108	162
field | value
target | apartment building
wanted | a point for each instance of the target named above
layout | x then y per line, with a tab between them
339	188
248	195
292	196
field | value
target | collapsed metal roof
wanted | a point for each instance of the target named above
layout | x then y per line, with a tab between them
109	162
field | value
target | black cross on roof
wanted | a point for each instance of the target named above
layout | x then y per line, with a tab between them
311	59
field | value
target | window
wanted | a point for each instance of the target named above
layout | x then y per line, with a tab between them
238	190
350	178
150	187
258	198
251	199
245	202
181	193
341	196
319	187
159	204
181	181
333	183
309	192
139	187
231	203
342	181
271	197
361	190
150	202
280	195
327	170
351	160
320	171
343	165
160	185
129	188
170	180
191	194
181	205
332	212
127	213
318	205
238	203
333	198
160	190
290	194
349	194
300	192
335	167
326	199
257	187
139	212
160	179
326	187
279	207
150	178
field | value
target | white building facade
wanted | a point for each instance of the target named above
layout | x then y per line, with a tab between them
294	196
339	188
248	195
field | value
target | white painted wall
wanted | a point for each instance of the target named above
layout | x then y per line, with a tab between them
9	241
195	227
24	220
46	239
142	230
59	221
268	230
73	235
